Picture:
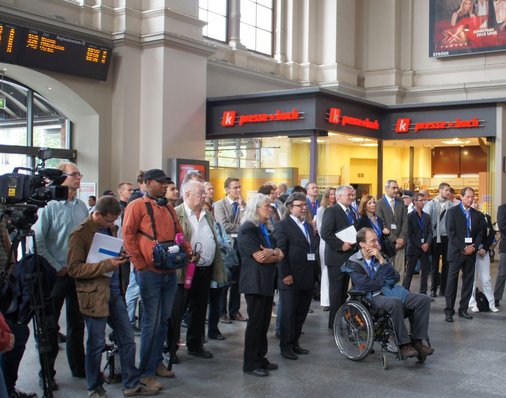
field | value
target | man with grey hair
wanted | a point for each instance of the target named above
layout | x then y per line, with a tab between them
335	219
394	214
297	240
198	229
52	229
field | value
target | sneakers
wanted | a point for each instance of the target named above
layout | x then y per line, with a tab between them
21	394
98	392
151	382
422	348
140	389
407	351
162	371
493	308
475	309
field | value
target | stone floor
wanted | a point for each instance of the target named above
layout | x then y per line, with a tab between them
469	361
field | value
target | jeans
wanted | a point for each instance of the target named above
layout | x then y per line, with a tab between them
124	336
132	295
157	293
3	388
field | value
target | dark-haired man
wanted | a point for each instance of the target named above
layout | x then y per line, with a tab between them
101	301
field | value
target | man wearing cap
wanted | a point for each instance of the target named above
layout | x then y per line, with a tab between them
407	198
157	287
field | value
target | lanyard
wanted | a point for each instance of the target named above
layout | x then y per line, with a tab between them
420	222
376	225
370	267
306	233
467	214
265	233
349	214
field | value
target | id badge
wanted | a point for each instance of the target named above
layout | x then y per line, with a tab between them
422	240
393	226
468	240
311	257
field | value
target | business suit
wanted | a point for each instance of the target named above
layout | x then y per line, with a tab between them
295	298
501	272
456	227
334	220
257	283
224	214
399	217
419	232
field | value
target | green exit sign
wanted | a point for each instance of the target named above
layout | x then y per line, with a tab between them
3	102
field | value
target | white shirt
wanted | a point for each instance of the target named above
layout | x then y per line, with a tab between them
202	237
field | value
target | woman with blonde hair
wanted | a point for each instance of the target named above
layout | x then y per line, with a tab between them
328	199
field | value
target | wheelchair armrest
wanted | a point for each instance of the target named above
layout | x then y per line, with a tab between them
356	293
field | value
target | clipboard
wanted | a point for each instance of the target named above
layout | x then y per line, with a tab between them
348	234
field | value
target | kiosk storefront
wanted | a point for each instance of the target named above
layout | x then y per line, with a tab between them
307	134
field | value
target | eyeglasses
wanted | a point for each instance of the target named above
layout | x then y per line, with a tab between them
302	205
75	174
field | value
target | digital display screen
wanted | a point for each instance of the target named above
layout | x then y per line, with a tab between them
59	53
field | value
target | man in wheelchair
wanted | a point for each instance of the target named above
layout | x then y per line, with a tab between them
371	272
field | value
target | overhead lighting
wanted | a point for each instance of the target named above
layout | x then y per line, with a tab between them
455	141
358	139
372	144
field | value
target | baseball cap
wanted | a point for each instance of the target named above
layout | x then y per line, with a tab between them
155	174
407	194
108	192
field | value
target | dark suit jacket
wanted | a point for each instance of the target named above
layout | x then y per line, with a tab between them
384	211
334	220
255	278
292	241
456	228
501	223
415	235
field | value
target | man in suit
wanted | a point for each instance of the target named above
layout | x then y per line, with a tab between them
296	239
501	272
228	212
335	219
463	224
419	240
395	215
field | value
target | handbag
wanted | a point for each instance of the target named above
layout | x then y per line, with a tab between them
387	246
167	255
228	254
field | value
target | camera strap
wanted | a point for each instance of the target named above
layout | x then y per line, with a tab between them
149	209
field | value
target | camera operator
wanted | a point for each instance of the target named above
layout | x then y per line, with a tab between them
56	222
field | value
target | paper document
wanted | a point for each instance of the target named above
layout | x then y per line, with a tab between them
348	234
102	248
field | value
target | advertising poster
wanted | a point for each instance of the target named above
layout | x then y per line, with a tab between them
460	27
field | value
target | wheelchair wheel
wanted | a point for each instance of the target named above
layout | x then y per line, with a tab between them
384	361
353	331
389	342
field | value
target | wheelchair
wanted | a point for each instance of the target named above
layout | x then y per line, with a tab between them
359	323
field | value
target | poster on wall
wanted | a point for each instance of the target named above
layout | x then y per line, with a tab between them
459	27
179	168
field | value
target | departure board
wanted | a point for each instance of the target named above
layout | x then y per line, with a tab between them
37	48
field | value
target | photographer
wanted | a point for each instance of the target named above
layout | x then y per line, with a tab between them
101	300
157	286
56	222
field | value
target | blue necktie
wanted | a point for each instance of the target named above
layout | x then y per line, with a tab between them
235	207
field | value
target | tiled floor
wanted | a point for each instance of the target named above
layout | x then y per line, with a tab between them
469	361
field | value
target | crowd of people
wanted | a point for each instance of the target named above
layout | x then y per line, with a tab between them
187	258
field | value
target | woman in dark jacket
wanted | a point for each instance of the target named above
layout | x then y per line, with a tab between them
369	219
259	256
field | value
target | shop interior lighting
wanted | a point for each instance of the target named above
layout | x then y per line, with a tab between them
456	141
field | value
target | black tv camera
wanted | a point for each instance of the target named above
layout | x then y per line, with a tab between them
22	194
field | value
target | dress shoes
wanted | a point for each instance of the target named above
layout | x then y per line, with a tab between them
270	366
218	336
260	372
289	354
422	348
202	353
238	317
448	316
299	350
407	351
326	308
225	319
464	314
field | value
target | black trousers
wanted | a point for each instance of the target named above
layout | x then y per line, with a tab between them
195	300
293	311
467	267
255	338
11	359
439	278
64	290
338	290
213	315
424	271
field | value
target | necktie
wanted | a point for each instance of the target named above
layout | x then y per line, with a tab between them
235	207
370	266
392	205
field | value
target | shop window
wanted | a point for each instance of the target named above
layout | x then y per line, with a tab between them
19	139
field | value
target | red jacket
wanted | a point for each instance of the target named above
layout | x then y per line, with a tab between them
5	334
